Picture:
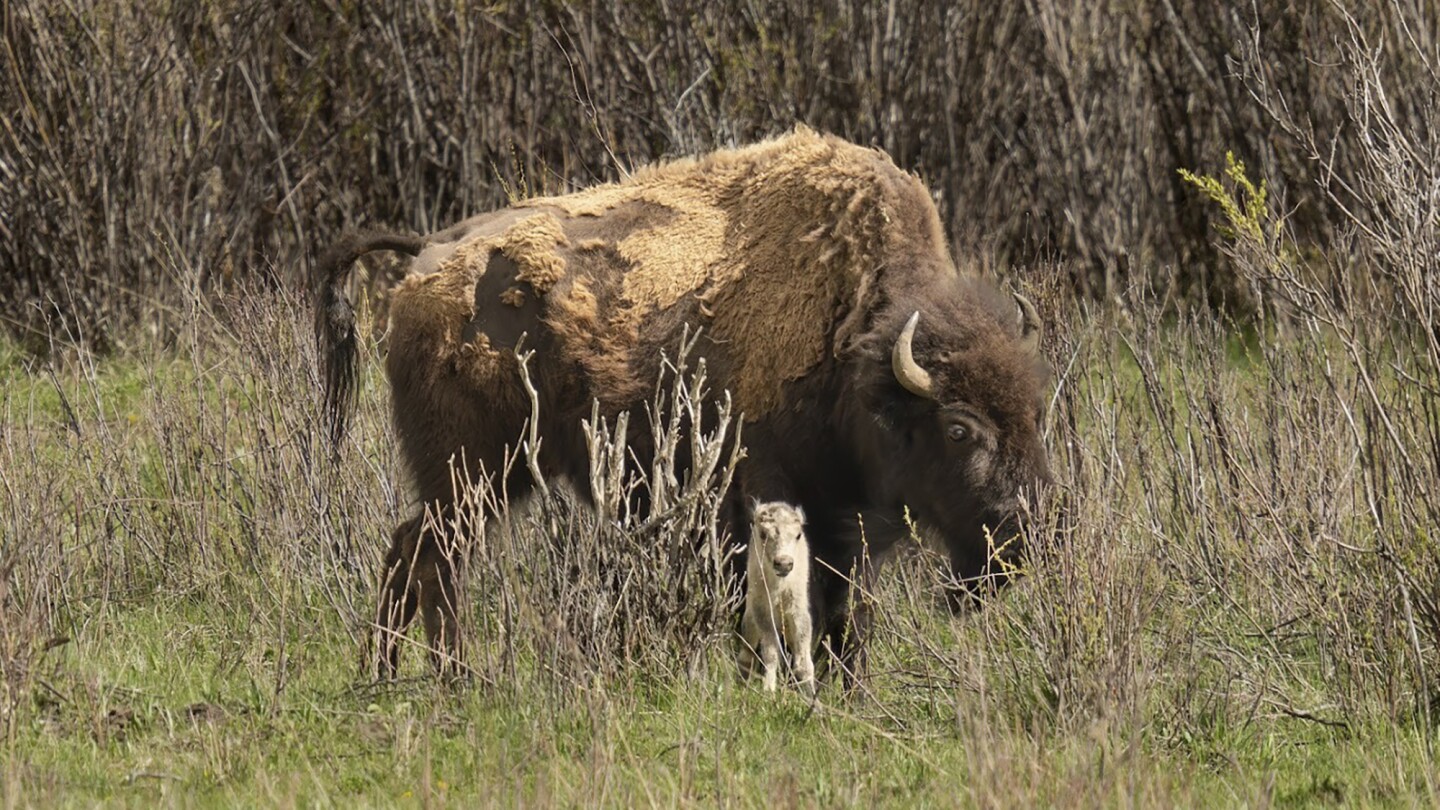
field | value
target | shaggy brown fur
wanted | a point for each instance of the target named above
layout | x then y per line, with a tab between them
801	258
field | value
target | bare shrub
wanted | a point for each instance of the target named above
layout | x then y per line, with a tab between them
31	584
1370	305
643	581
183	477
158	151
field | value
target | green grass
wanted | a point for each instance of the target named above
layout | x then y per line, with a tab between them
172	703
178	554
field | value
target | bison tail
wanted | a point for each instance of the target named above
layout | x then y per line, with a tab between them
335	319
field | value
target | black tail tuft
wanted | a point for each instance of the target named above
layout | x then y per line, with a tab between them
335	319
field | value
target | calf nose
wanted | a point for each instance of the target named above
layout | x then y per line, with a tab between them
783	565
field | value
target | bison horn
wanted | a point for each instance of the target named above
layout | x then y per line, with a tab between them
1030	329
902	361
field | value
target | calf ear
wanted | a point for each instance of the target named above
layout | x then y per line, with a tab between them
1030	327
800	513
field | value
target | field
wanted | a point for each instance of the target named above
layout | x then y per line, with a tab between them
1226	216
188	581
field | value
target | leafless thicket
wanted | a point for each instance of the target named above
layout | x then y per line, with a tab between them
188	477
153	152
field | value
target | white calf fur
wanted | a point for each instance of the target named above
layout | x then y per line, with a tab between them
777	595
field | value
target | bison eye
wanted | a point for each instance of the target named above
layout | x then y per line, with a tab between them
957	433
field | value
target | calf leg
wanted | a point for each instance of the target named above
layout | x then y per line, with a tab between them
800	637
770	657
762	640
749	647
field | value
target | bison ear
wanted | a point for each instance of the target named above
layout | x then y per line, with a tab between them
1030	328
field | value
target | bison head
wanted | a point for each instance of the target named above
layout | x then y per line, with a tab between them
952	398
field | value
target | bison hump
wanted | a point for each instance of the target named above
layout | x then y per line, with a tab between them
772	248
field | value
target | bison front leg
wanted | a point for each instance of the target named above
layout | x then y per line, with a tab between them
845	616
855	634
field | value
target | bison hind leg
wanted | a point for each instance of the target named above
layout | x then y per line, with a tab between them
418	576
398	600
438	586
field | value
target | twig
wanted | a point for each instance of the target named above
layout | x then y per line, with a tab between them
531	446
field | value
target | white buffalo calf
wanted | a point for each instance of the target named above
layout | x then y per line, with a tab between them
777	595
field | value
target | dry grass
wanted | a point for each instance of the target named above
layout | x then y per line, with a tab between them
1242	592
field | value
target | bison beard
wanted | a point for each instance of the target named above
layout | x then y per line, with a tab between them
872	376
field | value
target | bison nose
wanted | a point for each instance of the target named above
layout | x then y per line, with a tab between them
783	566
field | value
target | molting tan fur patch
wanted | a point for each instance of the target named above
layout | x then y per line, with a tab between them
673	257
733	234
430	312
531	244
743	241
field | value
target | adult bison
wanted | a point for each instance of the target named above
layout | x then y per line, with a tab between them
871	374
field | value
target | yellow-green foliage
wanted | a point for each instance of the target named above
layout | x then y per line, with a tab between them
1241	201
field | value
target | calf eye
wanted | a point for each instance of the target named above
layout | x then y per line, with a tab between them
957	433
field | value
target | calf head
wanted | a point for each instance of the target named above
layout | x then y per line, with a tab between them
779	536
